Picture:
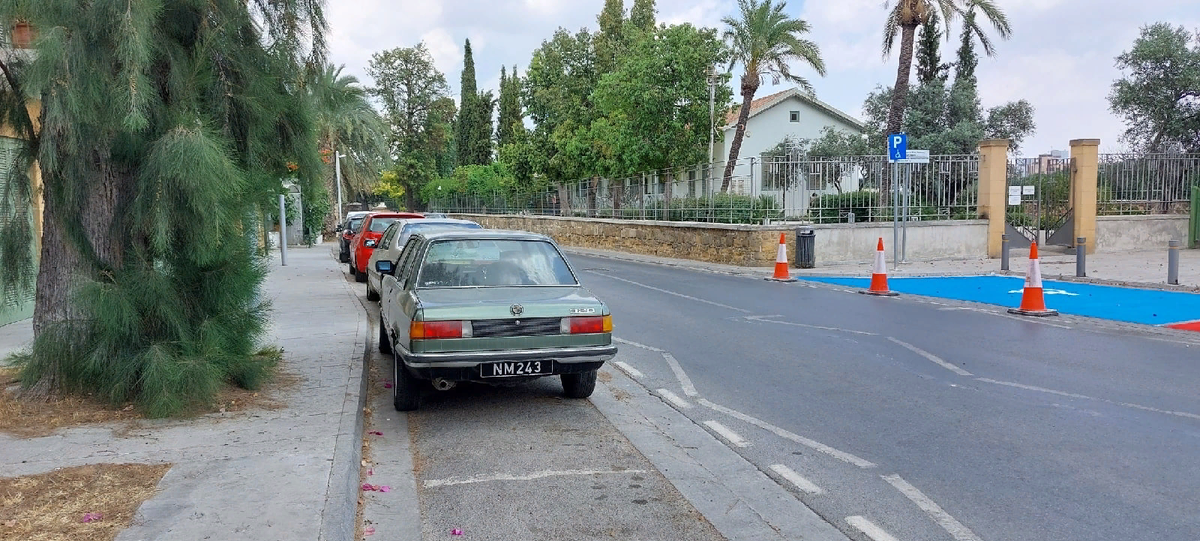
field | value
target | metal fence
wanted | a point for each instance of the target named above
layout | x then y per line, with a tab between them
1146	183
761	189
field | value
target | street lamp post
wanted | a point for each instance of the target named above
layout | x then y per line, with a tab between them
337	169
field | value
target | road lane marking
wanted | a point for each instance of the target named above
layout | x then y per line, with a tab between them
937	360
1156	410
1033	388
763	319
660	290
629	370
729	435
636	345
684	380
956	529
673	398
869	529
1086	397
805	486
812	444
452	481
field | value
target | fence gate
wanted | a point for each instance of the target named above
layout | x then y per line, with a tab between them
1039	202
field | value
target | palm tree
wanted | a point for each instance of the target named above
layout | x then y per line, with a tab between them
904	18
765	41
347	124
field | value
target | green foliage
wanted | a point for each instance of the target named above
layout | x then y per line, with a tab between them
165	124
348	124
1158	93
475	181
641	15
465	129
419	113
510	117
929	58
832	208
719	208
557	96
653	111
477	150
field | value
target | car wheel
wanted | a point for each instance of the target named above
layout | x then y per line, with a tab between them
343	257
406	394
350	267
372	295
360	277
385	342
579	385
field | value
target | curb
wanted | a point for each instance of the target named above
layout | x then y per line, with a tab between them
339	518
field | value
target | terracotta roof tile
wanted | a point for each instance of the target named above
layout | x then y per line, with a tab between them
755	106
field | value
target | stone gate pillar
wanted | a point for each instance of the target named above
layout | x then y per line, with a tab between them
993	185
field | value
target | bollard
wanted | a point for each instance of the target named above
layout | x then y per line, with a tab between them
282	231
1173	262
1003	252
1080	257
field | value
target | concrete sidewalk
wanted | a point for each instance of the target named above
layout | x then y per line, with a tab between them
1138	269
283	474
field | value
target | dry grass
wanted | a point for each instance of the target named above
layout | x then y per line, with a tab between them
52	506
26	417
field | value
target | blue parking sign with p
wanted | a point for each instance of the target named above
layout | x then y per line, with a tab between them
897	146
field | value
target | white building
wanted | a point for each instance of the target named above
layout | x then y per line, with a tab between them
790	114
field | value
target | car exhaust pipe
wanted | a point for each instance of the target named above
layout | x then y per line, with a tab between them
443	384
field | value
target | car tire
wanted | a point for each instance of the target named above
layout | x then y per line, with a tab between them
406	390
385	342
343	257
579	385
360	277
350	267
372	295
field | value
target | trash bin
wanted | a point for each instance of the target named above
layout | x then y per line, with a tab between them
806	248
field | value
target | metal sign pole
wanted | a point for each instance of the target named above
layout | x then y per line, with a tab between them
337	169
907	202
282	231
895	217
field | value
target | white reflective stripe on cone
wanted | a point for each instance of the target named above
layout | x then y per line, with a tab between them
1033	278
781	255
880	263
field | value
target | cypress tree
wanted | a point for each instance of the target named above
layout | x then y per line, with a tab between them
964	104
164	129
929	58
510	107
609	40
641	15
484	106
467	128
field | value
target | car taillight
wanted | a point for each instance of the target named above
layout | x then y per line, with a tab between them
586	325
424	330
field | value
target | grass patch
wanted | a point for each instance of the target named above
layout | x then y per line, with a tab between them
58	505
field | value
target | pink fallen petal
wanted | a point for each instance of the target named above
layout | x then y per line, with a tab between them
368	531
92	517
385	488
371	471
456	531
375	433
368	487
387	385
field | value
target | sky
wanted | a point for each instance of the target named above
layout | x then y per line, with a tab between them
1061	56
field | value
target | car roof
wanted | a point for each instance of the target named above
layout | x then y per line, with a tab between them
435	221
357	214
389	214
481	234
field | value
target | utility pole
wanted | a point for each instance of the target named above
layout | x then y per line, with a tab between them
712	111
337	173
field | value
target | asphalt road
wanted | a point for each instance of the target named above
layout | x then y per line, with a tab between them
920	421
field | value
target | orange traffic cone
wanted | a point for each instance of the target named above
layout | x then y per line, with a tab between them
1033	303
879	276
781	262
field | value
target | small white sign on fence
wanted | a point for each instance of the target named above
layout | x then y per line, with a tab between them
1014	200
915	156
1014	190
1026	190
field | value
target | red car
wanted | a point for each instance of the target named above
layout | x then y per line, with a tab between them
368	237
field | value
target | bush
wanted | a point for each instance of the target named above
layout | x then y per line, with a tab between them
719	208
832	208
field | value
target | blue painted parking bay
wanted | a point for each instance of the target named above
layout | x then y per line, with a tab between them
1146	306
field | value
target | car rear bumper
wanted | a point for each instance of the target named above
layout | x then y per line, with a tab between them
472	359
473	373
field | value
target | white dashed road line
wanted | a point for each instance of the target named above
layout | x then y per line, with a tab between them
673	398
869	529
452	481
1032	388
684	380
937	360
765	319
815	445
1086	397
629	370
956	529
680	295
805	486
729	435
635	344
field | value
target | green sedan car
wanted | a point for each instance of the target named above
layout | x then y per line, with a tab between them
488	306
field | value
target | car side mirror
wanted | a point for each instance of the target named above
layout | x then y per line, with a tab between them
339	228
384	267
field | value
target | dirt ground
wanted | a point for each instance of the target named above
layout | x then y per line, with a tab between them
85	503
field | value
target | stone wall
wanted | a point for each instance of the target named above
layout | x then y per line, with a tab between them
748	245
1139	233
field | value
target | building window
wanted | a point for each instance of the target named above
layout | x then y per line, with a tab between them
794	116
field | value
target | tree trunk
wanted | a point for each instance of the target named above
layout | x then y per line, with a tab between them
899	97
593	187
749	87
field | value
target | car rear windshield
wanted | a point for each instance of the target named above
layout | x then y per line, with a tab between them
493	263
379	224
355	224
418	226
